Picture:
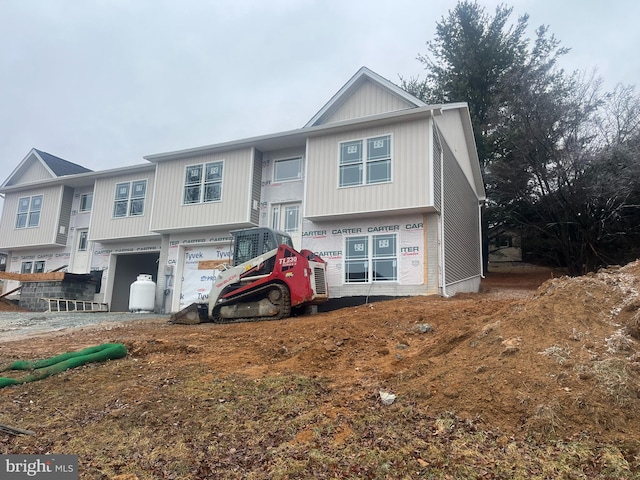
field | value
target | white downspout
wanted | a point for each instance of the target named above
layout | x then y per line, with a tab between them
482	272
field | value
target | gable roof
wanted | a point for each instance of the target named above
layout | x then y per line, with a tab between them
50	165
60	167
363	75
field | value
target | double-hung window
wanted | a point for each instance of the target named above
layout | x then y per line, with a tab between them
29	209
129	199
203	183
371	259
365	162
86	202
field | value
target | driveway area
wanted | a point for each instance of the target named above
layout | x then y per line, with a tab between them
15	325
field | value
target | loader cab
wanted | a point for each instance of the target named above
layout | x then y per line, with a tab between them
252	242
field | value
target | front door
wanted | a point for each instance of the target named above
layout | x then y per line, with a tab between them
81	252
286	217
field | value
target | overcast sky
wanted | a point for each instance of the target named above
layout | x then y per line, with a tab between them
102	83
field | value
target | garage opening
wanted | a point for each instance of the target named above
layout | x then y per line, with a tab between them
128	267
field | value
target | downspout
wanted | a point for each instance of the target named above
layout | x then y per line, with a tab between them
482	272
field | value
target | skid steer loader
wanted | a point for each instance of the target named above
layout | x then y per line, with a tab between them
268	280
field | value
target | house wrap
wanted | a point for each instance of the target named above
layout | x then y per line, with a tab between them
385	188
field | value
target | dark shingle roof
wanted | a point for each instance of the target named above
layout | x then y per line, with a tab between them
59	166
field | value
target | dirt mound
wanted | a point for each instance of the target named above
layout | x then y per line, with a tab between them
7	306
556	361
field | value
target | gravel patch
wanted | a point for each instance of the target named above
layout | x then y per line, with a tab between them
19	325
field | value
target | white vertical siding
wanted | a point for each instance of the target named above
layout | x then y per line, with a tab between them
369	99
45	233
103	224
170	213
31	171
410	185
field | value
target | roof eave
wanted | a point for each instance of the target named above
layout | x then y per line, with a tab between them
79	178
299	136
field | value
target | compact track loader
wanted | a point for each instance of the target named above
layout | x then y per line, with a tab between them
268	280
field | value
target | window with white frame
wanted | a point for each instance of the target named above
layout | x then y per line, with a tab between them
203	183
86	202
286	217
371	259
365	162
29	209
287	170
129	199
32	267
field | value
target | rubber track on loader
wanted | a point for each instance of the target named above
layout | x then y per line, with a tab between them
285	302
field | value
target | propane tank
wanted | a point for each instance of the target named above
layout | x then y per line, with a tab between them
142	294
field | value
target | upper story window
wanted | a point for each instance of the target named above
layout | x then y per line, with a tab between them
129	198
286	170
86	202
365	162
203	183
29	209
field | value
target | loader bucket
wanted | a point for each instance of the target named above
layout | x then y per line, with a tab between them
191	315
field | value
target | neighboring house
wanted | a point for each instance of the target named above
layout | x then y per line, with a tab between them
382	186
505	246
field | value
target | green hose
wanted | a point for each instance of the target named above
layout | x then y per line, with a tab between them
44	368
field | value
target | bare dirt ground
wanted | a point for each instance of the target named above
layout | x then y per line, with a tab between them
529	357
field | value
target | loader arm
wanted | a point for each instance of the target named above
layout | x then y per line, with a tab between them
248	271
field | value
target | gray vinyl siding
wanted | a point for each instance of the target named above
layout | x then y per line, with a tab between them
437	171
460	223
104	226
65	216
233	210
369	99
45	233
451	127
256	185
410	183
432	253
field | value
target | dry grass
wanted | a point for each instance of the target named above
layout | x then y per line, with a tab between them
201	425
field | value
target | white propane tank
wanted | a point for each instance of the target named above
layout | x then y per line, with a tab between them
142	294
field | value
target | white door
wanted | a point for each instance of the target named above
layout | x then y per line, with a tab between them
286	217
81	252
